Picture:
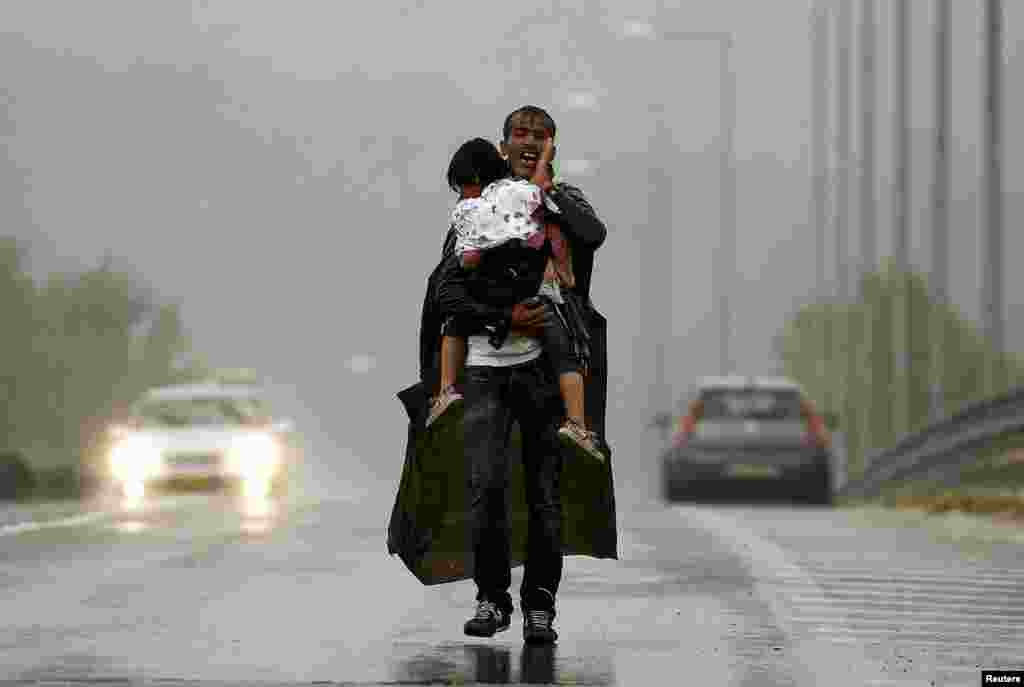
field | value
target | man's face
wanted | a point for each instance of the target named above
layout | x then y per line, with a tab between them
525	143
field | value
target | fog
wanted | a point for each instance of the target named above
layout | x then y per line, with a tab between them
278	170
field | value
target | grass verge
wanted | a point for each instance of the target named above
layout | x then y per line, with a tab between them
993	485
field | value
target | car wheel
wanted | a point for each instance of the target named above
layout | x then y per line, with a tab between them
675	490
818	486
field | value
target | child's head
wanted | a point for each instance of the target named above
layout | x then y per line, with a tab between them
475	165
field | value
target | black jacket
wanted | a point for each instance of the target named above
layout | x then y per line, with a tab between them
581	227
451	293
586	233
427	527
431	321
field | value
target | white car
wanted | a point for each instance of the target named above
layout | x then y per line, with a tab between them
211	435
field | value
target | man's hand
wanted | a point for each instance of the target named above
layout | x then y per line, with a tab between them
542	173
534	332
528	320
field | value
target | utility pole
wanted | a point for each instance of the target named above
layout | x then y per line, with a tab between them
819	162
727	84
903	329
940	211
726	263
869	249
842	359
660	181
992	180
868	243
660	184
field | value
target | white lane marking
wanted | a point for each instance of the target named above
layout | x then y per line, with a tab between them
919	644
911	595
915	596
813	662
162	504
905	625
995	585
765	560
974	575
35	526
969	641
846	629
960	610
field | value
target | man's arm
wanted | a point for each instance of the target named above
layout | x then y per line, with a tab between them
581	221
455	301
579	218
430	328
474	317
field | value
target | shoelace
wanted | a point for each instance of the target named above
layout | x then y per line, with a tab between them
539	618
486	610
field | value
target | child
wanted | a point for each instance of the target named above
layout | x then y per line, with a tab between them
513	210
473	167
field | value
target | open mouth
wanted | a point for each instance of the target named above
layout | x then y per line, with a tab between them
529	159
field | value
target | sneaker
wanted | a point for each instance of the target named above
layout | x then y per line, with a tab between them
580	440
447	400
537	622
489	619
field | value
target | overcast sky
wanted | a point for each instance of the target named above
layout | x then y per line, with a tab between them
278	169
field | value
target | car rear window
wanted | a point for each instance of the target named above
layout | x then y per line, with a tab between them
750	404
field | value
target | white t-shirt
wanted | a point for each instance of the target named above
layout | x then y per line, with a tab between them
515	351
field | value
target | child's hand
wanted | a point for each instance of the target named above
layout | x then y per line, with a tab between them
542	173
470	259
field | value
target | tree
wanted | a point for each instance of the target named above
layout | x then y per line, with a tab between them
870	395
76	351
17	296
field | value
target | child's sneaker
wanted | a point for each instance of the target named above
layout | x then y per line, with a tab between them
444	403
578	438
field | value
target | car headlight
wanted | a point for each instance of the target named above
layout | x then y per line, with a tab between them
253	456
134	458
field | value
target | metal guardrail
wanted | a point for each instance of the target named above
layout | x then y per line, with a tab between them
944	446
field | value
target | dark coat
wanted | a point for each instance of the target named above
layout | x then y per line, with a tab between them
428	521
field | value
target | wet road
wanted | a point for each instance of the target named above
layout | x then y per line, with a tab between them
193	588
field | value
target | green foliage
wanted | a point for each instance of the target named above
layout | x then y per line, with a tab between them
876	397
16	478
76	350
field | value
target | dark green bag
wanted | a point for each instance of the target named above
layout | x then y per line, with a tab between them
428	528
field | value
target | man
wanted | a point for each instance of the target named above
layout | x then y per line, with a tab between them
511	382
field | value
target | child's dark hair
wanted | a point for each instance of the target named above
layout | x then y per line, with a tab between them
477	161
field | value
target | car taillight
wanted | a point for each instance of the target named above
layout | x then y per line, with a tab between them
687	426
816	434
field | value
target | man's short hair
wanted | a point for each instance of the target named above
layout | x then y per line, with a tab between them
532	111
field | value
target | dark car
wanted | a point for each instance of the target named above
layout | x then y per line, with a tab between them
761	432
